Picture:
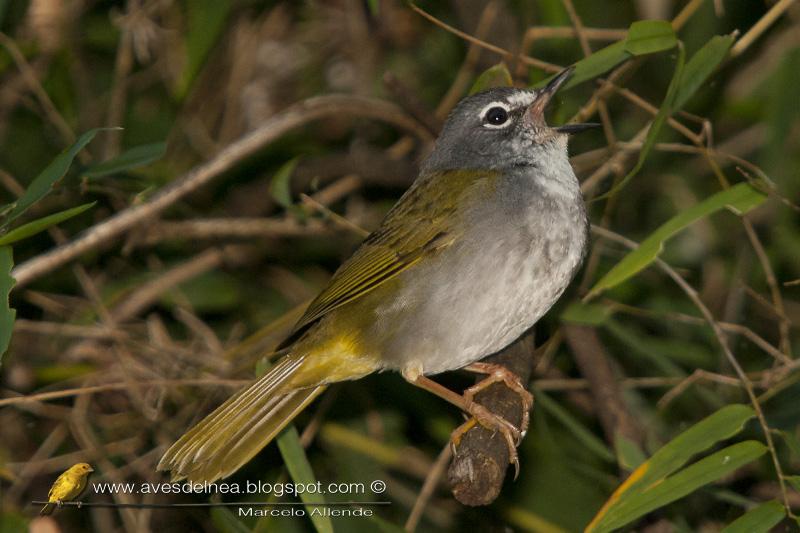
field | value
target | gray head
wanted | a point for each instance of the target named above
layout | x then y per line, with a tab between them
500	128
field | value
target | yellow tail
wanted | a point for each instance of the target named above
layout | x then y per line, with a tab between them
47	509
239	428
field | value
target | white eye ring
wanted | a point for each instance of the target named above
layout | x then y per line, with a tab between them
487	108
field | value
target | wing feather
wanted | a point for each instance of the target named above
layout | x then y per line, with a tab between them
421	222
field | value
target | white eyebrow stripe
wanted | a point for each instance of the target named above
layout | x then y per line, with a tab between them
522	98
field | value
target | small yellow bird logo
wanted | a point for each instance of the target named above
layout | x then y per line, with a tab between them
67	486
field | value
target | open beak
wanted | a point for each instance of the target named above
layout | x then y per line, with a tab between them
545	95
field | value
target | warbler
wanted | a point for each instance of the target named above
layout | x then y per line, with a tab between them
67	486
482	244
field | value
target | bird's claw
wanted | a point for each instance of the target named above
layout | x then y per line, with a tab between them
491	421
500	374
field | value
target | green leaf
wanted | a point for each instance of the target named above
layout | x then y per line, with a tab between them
644	37
706	470
279	187
650	36
494	76
43	183
137	156
701	66
629	455
7	314
760	519
586	313
652	474
590	67
205	21
526	520
740	199
35	226
226	522
718	426
300	469
655	127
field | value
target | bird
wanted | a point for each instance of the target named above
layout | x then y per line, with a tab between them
67	486
475	252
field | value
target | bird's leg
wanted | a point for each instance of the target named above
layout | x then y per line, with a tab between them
498	373
478	412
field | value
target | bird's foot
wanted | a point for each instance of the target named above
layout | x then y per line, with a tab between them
480	414
59	503
500	374
493	422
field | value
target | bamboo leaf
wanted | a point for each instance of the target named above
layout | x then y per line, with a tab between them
7	314
494	76
740	199
718	426
41	224
226	522
701	66
280	185
653	473
629	455
596	64
661	117
650	36
206	20
137	156
760	519
586	313
44	182
644	37
294	456
706	470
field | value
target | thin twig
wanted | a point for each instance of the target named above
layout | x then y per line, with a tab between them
36	88
538	63
760	27
297	115
425	493
80	391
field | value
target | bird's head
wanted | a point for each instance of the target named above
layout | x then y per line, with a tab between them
501	128
81	468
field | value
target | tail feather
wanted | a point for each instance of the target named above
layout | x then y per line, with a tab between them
239	428
241	410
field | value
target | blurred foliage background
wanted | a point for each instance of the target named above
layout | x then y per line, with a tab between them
117	350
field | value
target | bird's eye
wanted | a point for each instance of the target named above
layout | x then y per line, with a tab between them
496	116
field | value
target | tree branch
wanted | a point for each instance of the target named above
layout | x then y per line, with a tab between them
480	462
297	115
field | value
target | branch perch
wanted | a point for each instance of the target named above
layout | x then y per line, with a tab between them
480	462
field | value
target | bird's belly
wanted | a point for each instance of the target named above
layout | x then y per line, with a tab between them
478	298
